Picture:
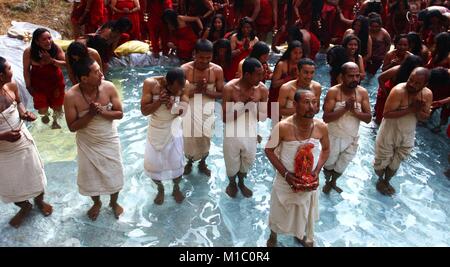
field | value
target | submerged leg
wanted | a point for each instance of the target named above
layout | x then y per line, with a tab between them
159	199
25	208
272	241
188	167
244	189
118	210
203	167
94	211
44	115
45	208
334	178
57	113
327	187
389	174
231	189
177	194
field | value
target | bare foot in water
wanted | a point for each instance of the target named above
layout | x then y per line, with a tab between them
203	168
45	119
231	190
245	190
179	197
117	209
304	243
272	241
337	188
382	188
17	220
188	168
390	189
159	199
45	208
94	211
327	188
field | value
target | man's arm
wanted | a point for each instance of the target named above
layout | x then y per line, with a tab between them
365	115
329	114
325	152
262	104
74	123
148	106
220	81
116	113
283	99
318	92
425	112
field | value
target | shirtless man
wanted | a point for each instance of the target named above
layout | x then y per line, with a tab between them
205	86
406	104
244	104
304	81
91	107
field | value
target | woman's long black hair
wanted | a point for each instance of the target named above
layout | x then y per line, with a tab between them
442	48
242	22
212	29
347	40
415	43
222	43
170	16
363	34
405	69
36	49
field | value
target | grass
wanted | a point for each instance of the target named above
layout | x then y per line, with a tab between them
54	14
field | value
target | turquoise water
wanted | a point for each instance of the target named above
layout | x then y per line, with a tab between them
418	215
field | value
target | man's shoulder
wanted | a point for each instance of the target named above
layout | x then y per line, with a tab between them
72	92
215	67
315	84
320	124
187	66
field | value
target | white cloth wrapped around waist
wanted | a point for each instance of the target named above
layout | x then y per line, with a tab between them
22	173
163	125
347	125
100	170
244	126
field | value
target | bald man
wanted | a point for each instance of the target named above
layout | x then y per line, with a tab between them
345	106
406	104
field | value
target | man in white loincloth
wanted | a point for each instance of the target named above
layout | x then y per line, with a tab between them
244	104
304	81
293	211
205	86
22	173
165	99
91	108
345	105
406	104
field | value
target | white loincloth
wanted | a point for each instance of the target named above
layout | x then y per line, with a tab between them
239	144
100	170
344	136
198	125
395	141
22	173
164	155
293	213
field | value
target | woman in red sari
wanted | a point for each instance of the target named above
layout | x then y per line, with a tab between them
390	78
129	9
182	38
92	16
285	70
156	29
42	63
260	12
242	43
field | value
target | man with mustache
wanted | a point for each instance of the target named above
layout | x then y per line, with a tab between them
293	210
406	103
345	105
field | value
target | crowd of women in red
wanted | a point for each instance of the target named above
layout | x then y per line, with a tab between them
361	31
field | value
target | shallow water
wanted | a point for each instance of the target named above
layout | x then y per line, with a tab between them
418	215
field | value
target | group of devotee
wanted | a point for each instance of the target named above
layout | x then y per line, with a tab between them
224	54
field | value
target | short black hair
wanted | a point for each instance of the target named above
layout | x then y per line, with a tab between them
204	45
76	49
298	94
305	61
250	65
122	25
2	65
175	74
82	67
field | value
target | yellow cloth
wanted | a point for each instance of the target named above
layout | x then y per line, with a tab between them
132	47
64	44
22	173
198	125
100	170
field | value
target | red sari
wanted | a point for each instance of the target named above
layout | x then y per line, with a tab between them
237	59
264	20
382	96
275	91
156	27
45	81
95	18
134	17
184	39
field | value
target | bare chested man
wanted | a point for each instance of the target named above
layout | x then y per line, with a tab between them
165	99
244	104
91	108
205	86
406	104
304	81
345	106
293	211
22	173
